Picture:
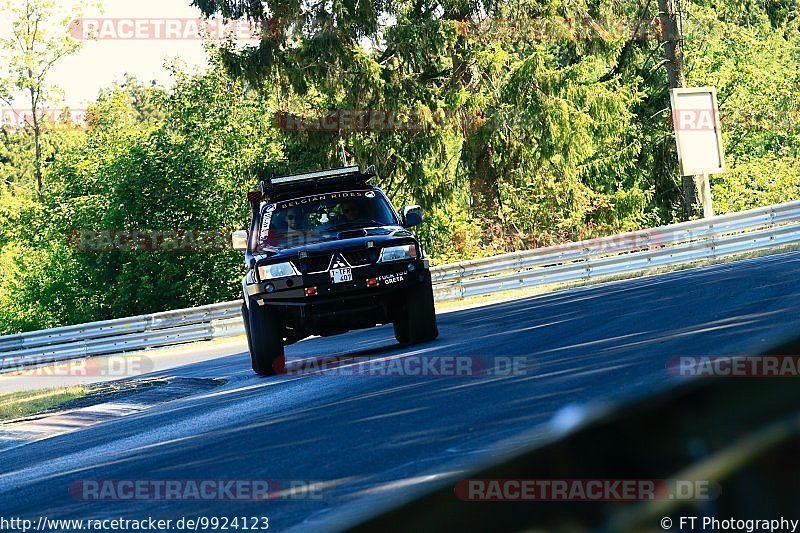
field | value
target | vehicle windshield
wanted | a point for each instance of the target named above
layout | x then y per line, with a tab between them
322	217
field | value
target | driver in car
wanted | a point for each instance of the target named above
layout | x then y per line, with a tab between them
294	227
350	210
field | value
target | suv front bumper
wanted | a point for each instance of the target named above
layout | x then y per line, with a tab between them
374	278
375	296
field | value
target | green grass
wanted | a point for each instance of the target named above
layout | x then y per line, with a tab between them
26	403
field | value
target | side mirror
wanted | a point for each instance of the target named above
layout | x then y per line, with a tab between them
239	239
412	216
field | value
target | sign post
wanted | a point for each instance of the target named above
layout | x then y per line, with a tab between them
698	135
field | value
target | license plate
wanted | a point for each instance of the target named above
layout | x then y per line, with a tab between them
340	275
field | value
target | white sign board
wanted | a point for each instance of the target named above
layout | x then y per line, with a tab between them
695	116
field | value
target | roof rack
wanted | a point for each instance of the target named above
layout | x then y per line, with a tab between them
309	181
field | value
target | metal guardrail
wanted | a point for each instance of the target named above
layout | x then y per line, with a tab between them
675	244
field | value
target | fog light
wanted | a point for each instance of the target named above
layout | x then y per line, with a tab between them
269	287
372	282
411	267
311	291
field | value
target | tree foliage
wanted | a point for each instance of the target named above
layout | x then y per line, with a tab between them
38	40
183	164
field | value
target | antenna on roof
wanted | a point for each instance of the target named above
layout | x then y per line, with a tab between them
341	148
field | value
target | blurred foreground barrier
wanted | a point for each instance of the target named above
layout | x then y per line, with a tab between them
710	448
671	245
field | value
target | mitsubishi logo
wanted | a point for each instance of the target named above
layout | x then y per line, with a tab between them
339	262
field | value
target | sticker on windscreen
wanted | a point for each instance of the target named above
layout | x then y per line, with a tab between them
320	197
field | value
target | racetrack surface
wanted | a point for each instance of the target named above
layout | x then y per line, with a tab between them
373	441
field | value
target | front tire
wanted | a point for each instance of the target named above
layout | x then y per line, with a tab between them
418	323
401	330
263	328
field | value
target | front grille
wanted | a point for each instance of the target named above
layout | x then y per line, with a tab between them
358	257
315	263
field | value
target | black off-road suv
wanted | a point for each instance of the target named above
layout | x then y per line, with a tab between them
327	253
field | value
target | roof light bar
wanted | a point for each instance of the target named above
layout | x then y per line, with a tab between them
322	174
311	180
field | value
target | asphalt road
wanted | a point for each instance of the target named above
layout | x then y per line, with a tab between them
372	441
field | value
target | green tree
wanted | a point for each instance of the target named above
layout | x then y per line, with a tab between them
187	170
440	59
39	39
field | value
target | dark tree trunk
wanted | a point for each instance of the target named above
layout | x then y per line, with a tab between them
484	190
673	43
693	187
37	134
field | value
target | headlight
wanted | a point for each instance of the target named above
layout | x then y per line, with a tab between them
277	270
397	253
